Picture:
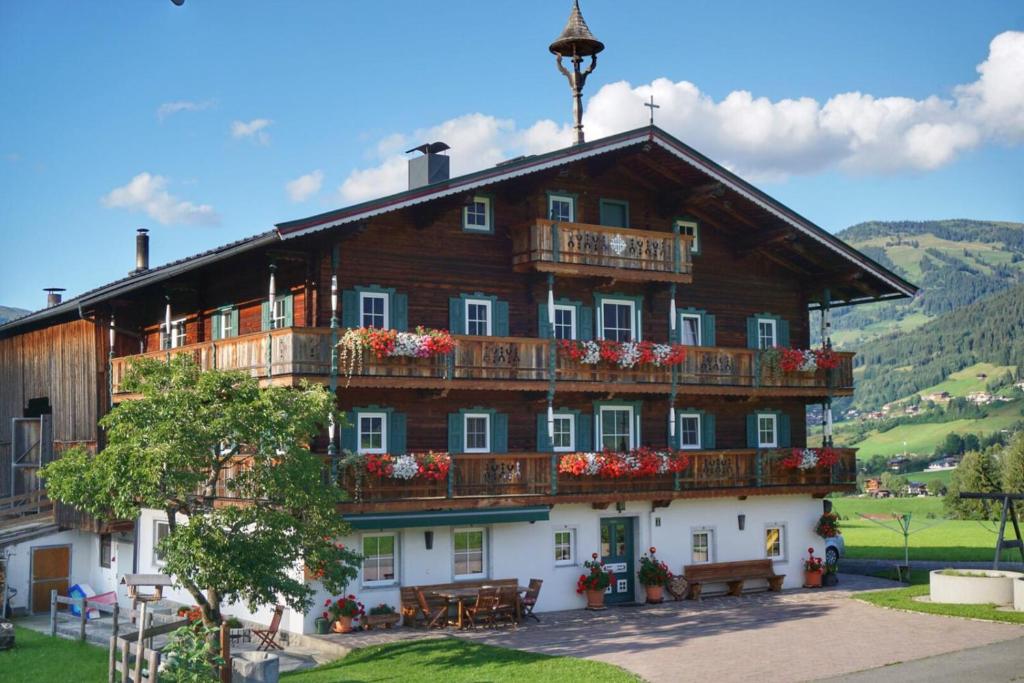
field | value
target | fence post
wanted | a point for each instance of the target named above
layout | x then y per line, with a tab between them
53	613
116	613
112	659
225	653
81	618
141	646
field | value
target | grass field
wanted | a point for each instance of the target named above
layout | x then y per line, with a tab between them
965	381
904	598
37	657
931	478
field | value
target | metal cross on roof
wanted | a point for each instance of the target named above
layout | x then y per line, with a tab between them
652	106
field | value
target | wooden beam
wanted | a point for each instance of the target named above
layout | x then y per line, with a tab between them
765	239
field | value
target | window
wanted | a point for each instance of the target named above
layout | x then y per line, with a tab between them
690	228
766	333
160	530
565	431
689	329
478	317
476	216
565	547
277	315
616	429
227	324
774	541
689	430
478	433
617	320
469	553
614	213
373	433
562	207
373	309
106	550
177	336
702	546
380	559
565	322
767	430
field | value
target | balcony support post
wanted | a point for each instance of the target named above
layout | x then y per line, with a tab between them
332	446
450	492
271	304
759	467
110	365
677	255
555	244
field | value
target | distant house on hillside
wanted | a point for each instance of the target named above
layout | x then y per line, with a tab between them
898	464
911	410
948	463
871	486
937	396
980	397
917	488
981	375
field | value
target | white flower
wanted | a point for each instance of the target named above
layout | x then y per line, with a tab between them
405	467
808	459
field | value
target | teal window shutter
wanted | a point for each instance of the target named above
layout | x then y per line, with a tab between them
216	325
396	433
784	435
234	323
348	432
584	432
349	308
707	331
455	430
543	442
289	314
399	312
752	341
543	324
585	323
500	325
707	431
456	315
783	332
752	430
499	433
265	316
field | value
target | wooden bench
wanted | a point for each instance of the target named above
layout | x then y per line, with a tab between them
410	605
733	574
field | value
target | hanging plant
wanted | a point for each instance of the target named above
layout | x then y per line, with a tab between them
641	462
799	360
358	342
625	355
808	458
431	465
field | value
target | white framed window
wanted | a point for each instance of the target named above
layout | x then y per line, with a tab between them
476	216
106	550
478	317
690	228
373	433
618	320
689	329
477	433
565	322
160	530
373	310
767	333
562	207
702	545
775	541
565	547
177	336
767	430
277	315
689	430
469	553
564	440
380	559
616	430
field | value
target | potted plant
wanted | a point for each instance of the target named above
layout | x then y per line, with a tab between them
813	569
595	582
654	574
831	576
382	615
342	611
828	525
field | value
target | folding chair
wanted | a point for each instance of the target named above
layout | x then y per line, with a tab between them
268	636
431	619
530	599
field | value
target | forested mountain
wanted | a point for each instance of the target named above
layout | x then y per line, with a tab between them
10	313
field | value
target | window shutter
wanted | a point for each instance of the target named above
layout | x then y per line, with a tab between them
399	311
348	433
584	432
752	333
784	436
543	324
585	323
265	312
234	322
499	433
456	315
216	321
396	433
349	308
638	309
289	317
783	340
752	430
707	330
500	326
544	444
455	440
707	431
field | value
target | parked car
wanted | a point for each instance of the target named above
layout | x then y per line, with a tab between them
835	548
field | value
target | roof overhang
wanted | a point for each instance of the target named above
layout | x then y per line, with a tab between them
437	518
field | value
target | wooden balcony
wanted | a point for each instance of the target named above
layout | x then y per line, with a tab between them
476	480
582	250
512	363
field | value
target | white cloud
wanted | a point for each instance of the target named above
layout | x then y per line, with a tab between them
254	129
146	192
759	138
171	108
305	186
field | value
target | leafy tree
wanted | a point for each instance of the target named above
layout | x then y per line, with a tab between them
953	444
895	483
1013	468
971	442
193	436
977	472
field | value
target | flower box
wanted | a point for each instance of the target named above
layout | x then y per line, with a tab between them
381	620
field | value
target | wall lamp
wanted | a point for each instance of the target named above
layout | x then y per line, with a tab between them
428	539
741	520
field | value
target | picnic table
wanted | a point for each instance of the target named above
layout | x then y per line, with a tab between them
460	595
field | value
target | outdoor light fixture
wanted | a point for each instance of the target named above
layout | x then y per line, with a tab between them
428	539
742	521
620	506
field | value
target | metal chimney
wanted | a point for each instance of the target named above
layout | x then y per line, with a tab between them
53	296
141	251
432	167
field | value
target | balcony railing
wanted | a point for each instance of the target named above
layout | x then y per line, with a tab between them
524	475
578	249
297	352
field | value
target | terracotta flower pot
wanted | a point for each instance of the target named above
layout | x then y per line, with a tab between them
342	625
595	599
654	593
812	579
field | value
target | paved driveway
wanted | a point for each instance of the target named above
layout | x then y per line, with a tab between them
792	636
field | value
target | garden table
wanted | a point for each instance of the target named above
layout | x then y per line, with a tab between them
458	595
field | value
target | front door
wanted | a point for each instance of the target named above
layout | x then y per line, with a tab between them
51	570
617	554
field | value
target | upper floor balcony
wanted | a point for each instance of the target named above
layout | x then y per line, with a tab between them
285	356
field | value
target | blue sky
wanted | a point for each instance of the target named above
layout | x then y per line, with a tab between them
212	121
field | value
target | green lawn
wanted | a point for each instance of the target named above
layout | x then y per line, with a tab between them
965	381
453	661
37	657
936	477
903	598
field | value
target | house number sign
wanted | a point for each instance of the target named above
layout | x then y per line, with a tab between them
617	567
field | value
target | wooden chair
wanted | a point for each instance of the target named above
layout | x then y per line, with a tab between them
485	607
431	618
508	604
268	636
530	600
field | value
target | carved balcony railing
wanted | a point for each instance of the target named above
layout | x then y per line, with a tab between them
579	249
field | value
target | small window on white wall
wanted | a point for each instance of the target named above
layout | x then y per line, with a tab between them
775	541
470	553
380	559
565	547
160	530
702	546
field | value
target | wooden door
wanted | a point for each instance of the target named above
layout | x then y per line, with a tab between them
617	554
51	569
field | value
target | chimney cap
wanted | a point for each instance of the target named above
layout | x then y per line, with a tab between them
55	289
429	148
142	231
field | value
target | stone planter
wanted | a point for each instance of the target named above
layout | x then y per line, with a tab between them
595	599
381	620
973	586
255	667
655	594
1018	595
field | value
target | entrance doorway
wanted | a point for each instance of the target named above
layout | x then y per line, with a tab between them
617	554
51	570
